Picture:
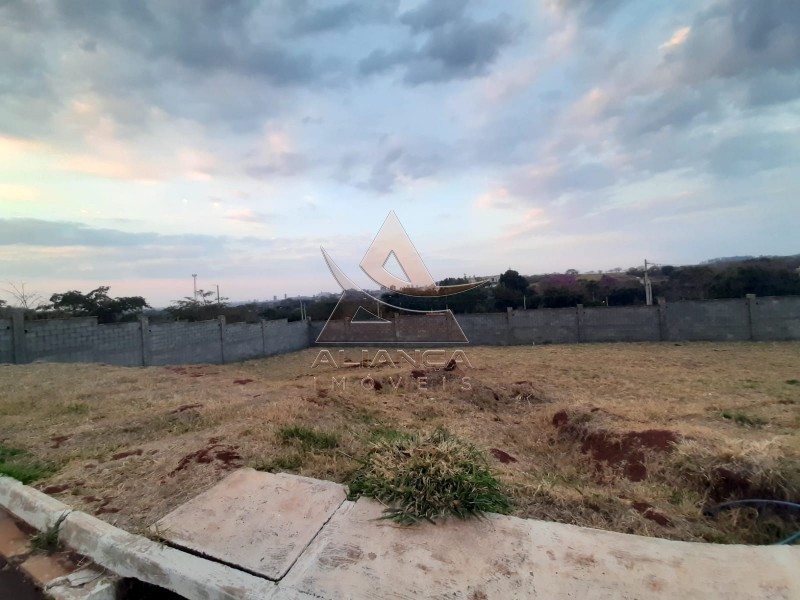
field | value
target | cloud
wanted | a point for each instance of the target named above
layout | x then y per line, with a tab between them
526	224
338	17
246	215
588	12
734	38
459	48
677	38
38	232
433	14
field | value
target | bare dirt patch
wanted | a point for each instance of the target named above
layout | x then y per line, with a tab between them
627	437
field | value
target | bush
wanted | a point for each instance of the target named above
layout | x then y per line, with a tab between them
428	477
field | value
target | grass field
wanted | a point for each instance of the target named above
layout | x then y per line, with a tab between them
635	438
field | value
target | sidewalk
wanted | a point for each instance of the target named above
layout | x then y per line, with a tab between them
261	535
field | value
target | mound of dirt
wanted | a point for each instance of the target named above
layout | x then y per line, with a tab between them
620	450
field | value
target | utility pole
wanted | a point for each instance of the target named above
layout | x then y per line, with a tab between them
194	277
217	294
648	288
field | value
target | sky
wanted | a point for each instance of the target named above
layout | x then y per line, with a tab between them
143	142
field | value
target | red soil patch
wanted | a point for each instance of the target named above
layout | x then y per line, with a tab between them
503	457
417	373
127	453
180	409
55	489
648	512
625	450
58	440
243	381
227	455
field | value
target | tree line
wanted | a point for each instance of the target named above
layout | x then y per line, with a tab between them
775	276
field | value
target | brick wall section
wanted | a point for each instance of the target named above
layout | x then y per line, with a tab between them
776	318
6	342
620	324
61	340
715	320
83	340
185	343
281	337
243	341
489	329
117	344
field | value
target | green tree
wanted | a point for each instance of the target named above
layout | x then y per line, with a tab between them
202	307
96	303
514	281
762	281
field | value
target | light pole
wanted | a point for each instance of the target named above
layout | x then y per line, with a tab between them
194	277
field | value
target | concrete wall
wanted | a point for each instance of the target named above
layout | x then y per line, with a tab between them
6	341
776	318
751	318
144	343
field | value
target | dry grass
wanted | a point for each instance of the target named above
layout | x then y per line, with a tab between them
131	444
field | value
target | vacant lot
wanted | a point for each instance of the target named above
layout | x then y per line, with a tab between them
630	437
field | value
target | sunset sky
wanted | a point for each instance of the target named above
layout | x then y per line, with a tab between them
144	142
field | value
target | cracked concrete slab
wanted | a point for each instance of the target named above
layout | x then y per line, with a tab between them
259	522
359	555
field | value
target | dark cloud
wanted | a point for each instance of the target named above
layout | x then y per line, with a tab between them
324	17
461	49
433	14
589	12
735	38
397	162
37	232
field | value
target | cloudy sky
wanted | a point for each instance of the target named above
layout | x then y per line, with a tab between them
141	142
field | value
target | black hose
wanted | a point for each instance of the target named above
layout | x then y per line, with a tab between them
713	510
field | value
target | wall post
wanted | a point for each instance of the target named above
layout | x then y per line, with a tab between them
144	339
751	302
662	319
509	316
19	347
221	320
579	321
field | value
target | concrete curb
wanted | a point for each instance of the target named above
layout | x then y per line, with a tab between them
129	555
38	510
357	555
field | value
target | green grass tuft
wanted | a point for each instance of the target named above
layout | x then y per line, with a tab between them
76	408
15	463
47	541
310	439
793	381
283	462
429	477
742	419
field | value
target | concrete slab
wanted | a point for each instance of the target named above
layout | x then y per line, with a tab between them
258	522
358	556
129	555
43	569
13	541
